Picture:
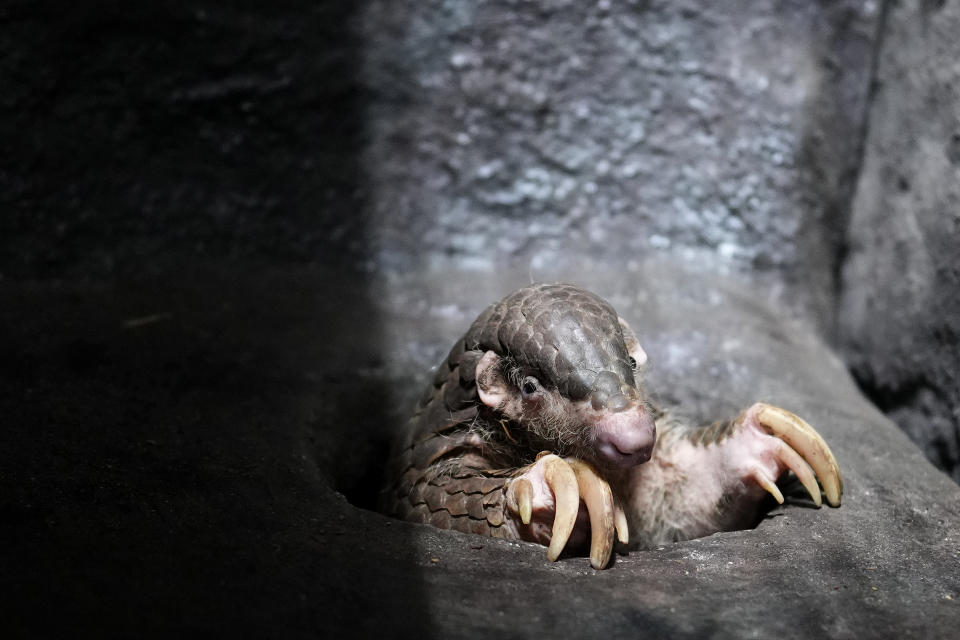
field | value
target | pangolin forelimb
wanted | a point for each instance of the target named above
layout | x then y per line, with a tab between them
713	478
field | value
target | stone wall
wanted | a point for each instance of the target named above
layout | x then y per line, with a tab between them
544	134
900	312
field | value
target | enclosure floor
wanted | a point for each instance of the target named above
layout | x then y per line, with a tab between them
176	448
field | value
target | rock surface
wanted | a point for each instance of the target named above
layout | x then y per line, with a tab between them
538	133
473	134
179	444
237	236
900	313
211	129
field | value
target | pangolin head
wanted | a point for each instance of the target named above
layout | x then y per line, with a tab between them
571	336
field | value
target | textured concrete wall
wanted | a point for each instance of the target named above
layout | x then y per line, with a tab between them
545	134
901	304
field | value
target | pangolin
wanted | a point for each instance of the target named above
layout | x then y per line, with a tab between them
539	407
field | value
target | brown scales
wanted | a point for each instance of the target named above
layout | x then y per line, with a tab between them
440	473
455	460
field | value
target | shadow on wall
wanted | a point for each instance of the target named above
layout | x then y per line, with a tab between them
181	182
179	128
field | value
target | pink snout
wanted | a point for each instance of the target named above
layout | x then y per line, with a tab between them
625	439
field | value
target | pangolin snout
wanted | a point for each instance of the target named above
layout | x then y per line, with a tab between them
625	438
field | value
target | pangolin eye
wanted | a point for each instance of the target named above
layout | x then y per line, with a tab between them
633	363
530	386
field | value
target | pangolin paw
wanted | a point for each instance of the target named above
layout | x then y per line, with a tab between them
546	498
794	445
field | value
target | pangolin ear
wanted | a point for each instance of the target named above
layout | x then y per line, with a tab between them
633	345
491	387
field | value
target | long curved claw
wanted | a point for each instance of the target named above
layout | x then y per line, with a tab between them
563	483
553	487
812	449
597	495
765	481
520	498
802	470
620	523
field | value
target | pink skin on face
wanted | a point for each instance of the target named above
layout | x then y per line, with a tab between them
626	438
